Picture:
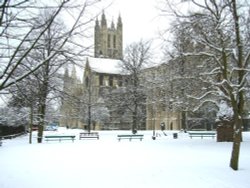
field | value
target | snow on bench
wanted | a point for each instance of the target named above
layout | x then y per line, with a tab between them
89	135
59	137
130	136
201	134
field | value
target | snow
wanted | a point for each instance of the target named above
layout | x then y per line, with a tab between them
105	65
164	162
225	110
3	99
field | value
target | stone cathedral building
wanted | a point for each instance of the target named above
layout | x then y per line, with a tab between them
101	76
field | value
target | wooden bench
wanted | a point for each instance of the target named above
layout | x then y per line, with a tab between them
130	136
202	134
11	136
59	137
88	135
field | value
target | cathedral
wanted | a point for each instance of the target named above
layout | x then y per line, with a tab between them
90	103
86	102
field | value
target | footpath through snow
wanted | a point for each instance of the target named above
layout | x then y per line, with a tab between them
164	162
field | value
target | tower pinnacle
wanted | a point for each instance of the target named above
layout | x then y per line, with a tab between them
108	40
103	20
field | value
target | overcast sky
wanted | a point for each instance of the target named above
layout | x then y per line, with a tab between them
140	18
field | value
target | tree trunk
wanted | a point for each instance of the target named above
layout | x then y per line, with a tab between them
42	110
134	124
89	118
183	120
234	163
41	123
235	152
40	133
31	124
89	106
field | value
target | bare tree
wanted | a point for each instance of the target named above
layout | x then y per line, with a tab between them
137	57
14	46
185	83
39	48
219	26
24	95
47	76
22	30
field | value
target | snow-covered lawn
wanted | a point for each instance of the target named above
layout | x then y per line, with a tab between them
165	162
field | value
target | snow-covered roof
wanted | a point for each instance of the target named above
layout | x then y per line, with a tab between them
104	65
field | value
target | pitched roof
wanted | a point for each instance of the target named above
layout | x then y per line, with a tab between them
104	65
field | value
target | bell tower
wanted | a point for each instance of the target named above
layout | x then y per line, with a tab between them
108	40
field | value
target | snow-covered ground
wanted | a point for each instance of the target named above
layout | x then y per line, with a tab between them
164	162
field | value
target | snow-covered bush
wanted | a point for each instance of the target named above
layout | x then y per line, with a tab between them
13	116
225	112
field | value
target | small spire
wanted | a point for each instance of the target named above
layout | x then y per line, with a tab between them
97	23
112	25
87	64
66	72
103	21
119	22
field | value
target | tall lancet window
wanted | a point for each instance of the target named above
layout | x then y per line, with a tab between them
114	41
109	41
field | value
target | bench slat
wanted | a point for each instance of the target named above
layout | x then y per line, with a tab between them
130	137
59	137
89	135
202	134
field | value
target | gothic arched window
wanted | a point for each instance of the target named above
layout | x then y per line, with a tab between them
87	81
109	41
101	80
114	41
111	80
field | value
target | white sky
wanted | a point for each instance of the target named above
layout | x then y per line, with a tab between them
140	19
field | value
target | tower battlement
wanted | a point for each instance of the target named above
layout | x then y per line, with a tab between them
108	40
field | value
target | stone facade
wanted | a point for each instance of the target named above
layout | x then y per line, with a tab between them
166	88
108	40
171	90
102	74
99	85
72	92
159	109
